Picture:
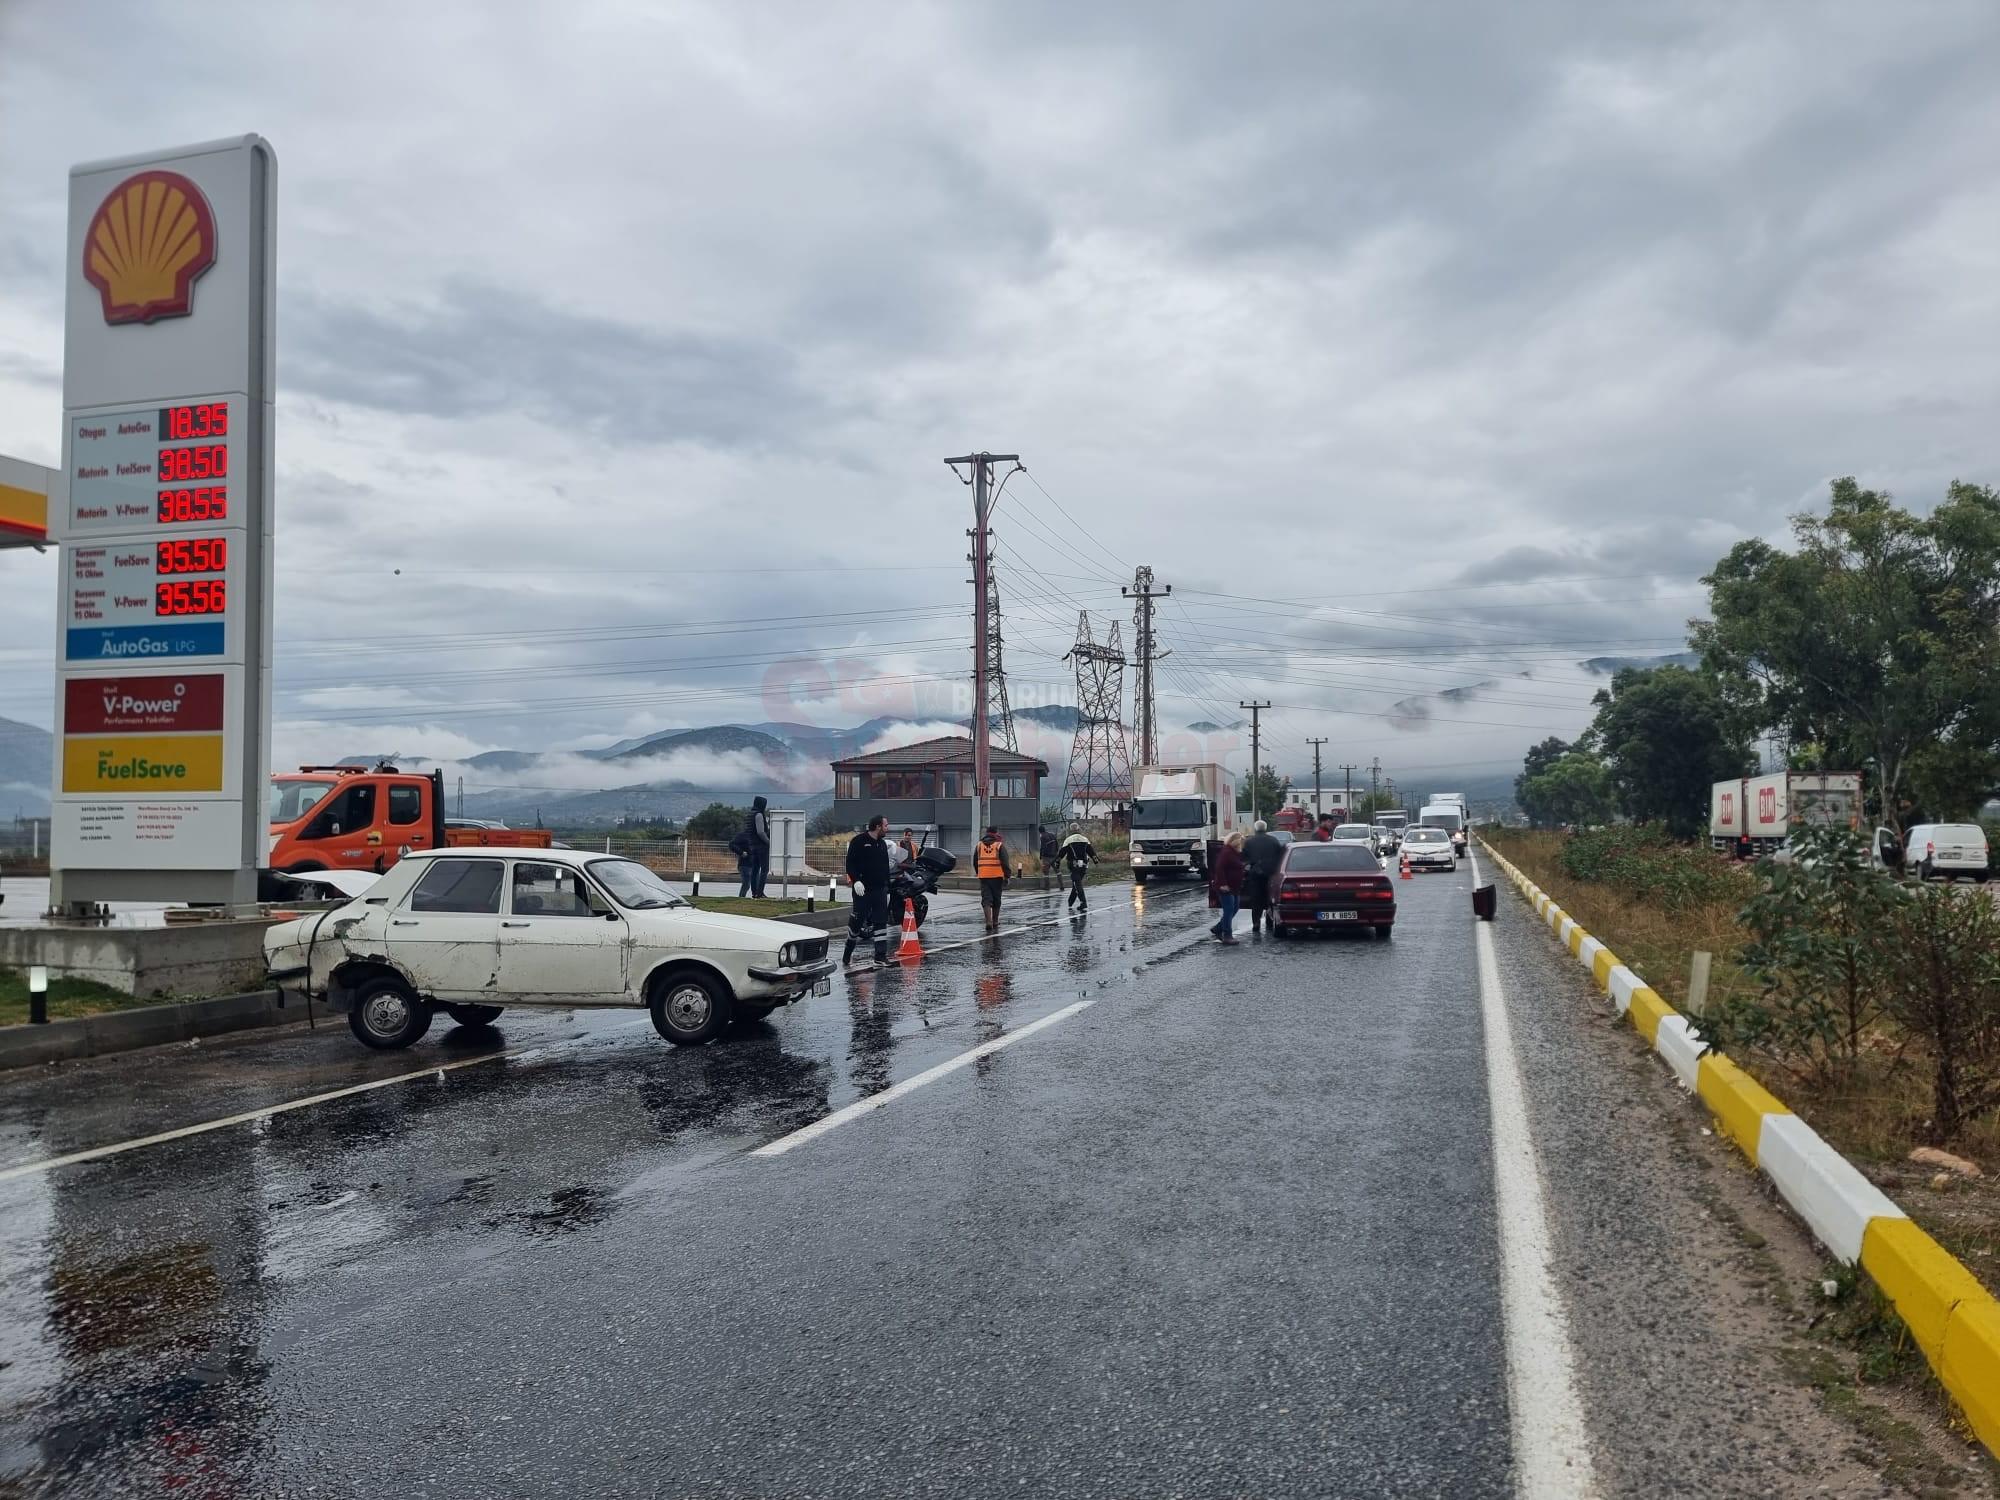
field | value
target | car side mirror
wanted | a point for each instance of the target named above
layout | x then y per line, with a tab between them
611	916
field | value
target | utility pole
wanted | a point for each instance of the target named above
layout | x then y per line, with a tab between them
982	505
1255	745
1145	651
1316	744
1348	773
1374	784
461	797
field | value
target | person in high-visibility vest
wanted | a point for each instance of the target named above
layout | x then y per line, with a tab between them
989	863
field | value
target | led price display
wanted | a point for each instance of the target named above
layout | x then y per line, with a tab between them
200	596
211	462
206	503
204	419
204	554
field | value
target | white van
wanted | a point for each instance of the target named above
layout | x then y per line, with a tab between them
1946	849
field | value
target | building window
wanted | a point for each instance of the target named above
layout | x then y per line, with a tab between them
1013	786
949	784
898	785
847	785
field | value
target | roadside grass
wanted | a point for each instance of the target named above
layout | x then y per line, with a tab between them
68	998
750	906
1873	1115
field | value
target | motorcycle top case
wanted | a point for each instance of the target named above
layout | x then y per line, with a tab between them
938	861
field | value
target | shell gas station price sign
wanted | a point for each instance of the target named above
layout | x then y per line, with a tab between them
167	597
175	465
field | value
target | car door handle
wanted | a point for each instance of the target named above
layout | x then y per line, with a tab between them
399	922
516	924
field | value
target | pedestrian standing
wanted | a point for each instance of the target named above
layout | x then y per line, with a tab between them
1076	856
1324	833
740	847
1225	883
910	849
1048	851
989	863
1262	854
868	869
759	830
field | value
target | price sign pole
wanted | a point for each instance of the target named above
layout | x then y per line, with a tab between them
163	698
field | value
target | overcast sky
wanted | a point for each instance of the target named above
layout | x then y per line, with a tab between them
1416	346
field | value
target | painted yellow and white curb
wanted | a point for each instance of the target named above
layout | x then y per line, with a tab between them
1954	1320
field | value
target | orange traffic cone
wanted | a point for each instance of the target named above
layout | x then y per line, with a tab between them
910	947
1406	865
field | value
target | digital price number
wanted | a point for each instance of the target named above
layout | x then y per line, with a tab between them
208	502
191	596
206	554
204	419
210	461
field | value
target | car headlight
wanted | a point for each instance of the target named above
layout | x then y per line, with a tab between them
788	956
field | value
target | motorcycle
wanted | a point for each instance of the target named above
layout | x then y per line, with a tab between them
914	882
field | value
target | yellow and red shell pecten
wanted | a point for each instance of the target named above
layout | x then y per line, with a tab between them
149	240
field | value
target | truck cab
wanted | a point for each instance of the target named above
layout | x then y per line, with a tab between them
353	818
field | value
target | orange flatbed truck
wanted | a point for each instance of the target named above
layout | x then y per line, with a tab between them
351	818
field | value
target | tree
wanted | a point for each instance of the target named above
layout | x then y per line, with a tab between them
1666	735
823	824
1538	759
1271	789
1878	638
1575	790
1370	803
717	822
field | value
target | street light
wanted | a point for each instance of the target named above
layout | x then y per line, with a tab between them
38	995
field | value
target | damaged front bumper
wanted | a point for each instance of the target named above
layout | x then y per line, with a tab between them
798	976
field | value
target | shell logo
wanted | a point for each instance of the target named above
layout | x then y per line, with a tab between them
148	242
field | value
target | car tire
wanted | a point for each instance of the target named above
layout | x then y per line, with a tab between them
1138	877
689	1008
474	1015
1280	931
387	1015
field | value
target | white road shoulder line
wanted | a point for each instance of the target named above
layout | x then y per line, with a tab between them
1551	1443
896	1091
95	1153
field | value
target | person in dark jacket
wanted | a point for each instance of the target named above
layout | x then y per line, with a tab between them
1225	883
1262	854
1047	850
759	831
740	847
868	868
1076	856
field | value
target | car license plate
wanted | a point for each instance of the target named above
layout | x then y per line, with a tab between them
823	987
1339	916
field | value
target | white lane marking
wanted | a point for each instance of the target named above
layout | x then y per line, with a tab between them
910	1085
96	1153
1551	1442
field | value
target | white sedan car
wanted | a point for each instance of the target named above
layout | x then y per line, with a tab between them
472	931
1429	849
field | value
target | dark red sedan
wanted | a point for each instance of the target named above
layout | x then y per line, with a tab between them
1329	886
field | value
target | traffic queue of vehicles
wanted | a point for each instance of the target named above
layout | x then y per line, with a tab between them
1753	817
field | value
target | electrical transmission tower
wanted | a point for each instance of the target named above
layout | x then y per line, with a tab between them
1146	651
999	715
1100	771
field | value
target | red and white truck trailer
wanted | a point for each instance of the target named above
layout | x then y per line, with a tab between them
1751	815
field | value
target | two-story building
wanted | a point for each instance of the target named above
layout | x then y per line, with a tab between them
928	787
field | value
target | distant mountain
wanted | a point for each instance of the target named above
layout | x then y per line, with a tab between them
716	739
1604	666
27	768
1204	726
1052	716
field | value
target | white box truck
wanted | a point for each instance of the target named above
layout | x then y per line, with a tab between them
1178	812
1752	814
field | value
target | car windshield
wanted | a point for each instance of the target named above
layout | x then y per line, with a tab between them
1170	812
1313	858
634	886
1352	831
1425	836
292	797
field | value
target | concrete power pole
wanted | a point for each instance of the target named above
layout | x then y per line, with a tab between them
1347	773
1145	651
982	505
1316	744
1374	783
1256	745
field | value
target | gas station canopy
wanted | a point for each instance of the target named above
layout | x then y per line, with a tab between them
25	489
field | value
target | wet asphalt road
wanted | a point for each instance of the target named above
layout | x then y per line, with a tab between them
1227	1231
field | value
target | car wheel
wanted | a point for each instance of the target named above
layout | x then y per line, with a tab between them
1280	931
689	1008
1138	877
474	1015
386	1014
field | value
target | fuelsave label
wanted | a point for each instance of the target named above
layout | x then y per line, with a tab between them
133	705
136	765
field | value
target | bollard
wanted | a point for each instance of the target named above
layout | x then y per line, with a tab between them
832	894
697	886
38	995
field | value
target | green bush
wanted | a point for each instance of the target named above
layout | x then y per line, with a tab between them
1644	861
1941	983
